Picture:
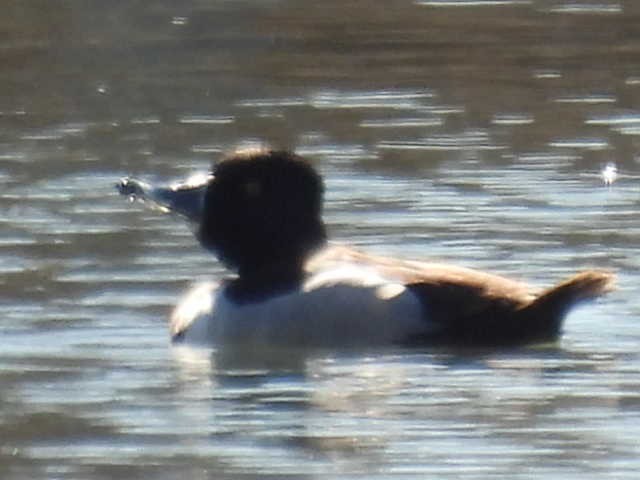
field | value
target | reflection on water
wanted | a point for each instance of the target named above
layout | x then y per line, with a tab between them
479	132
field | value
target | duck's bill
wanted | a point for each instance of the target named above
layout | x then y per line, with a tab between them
185	198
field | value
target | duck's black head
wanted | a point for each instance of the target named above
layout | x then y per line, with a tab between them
263	211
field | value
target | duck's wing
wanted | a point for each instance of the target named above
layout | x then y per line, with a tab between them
445	289
474	307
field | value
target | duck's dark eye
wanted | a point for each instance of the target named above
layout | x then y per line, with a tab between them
252	188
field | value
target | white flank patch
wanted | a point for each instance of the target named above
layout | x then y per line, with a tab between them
348	305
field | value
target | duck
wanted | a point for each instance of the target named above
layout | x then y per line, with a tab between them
259	212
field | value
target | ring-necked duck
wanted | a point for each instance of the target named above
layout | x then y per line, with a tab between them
260	213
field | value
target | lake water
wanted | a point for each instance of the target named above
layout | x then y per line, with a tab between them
465	131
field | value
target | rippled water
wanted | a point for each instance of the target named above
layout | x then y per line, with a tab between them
466	131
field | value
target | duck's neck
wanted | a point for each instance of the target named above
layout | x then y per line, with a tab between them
257	282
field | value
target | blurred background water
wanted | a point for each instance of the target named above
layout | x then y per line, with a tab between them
468	131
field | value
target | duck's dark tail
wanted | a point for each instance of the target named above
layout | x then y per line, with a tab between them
543	317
